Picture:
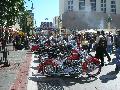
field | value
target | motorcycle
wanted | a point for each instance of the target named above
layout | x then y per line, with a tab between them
75	65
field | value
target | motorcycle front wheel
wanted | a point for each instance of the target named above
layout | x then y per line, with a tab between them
93	68
49	70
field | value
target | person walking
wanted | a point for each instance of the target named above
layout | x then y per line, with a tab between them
3	43
109	43
117	53
101	46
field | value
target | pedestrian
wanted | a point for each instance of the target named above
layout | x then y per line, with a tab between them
109	43
117	53
3	43
14	44
78	41
101	46
5	54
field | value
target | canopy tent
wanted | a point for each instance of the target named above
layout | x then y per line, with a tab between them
91	31
81	31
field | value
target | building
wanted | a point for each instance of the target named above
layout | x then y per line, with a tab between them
30	19
55	21
46	25
86	14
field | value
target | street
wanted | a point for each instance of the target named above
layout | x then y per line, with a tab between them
59	45
106	80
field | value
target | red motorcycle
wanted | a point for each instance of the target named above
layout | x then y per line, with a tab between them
76	64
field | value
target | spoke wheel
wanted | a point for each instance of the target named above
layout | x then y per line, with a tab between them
49	69
93	69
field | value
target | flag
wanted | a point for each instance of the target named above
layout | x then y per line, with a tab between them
32	6
46	18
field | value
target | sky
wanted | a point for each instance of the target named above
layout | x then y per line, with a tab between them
43	9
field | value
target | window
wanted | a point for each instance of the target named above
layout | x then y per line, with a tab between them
92	0
104	1
113	6
68	7
81	4
101	9
68	2
104	10
113	11
71	8
93	5
71	2
81	0
101	1
103	6
112	2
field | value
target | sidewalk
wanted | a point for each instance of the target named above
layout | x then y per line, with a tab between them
26	78
8	74
20	82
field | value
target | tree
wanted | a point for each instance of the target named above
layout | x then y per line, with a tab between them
109	19
9	10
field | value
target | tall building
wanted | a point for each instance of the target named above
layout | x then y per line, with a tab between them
85	14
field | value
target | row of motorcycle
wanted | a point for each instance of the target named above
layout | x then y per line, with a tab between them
65	60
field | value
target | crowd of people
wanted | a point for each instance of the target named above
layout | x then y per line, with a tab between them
19	41
103	44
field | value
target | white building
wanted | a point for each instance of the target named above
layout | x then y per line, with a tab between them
89	13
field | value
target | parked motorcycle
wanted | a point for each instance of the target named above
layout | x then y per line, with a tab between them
75	65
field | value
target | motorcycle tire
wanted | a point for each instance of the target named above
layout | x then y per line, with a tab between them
93	69
49	70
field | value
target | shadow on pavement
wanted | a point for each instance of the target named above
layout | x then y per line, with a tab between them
69	81
111	63
45	83
54	84
35	68
109	76
57	83
36	61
